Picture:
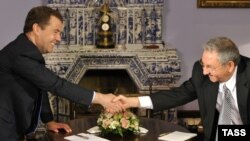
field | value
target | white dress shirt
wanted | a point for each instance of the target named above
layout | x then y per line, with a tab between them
231	85
146	102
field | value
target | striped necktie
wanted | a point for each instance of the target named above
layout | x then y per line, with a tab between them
225	117
226	111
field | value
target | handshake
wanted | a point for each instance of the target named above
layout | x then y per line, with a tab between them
113	103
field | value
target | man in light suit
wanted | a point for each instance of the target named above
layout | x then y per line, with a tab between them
25	80
221	64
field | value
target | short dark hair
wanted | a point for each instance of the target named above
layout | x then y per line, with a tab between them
40	15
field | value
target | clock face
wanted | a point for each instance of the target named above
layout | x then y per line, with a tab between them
105	27
105	18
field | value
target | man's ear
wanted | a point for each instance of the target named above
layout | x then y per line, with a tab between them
231	66
36	28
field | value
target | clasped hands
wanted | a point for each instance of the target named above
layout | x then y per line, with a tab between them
113	103
110	102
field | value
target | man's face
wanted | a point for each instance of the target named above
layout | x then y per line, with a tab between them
212	67
49	36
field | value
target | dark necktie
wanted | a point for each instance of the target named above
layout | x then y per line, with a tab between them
36	115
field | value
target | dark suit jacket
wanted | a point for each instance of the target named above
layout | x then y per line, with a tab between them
201	88
26	77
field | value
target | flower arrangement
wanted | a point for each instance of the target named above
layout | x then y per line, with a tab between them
118	123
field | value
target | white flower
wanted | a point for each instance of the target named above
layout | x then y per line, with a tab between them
118	123
114	125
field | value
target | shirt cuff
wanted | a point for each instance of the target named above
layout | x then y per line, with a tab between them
93	97
145	102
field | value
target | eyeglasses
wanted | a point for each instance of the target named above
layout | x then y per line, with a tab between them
209	67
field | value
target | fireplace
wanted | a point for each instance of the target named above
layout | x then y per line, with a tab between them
141	58
115	81
133	70
109	81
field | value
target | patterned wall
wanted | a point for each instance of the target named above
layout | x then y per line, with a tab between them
135	24
134	21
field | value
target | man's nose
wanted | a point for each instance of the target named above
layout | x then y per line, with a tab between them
58	38
205	71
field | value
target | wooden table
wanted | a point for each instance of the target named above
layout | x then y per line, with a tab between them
155	127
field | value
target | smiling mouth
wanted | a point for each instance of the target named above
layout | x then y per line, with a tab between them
210	76
54	44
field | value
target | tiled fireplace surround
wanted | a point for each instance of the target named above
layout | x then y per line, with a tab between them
76	54
159	68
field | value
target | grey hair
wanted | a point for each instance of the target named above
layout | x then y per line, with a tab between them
226	49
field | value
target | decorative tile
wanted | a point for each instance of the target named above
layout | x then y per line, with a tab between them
135	24
132	24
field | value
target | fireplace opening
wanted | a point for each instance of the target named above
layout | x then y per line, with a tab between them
109	81
115	81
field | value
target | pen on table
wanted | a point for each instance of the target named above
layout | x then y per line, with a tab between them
163	134
82	136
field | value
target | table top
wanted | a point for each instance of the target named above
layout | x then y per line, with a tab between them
155	128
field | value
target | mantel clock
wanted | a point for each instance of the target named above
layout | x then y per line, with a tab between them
105	33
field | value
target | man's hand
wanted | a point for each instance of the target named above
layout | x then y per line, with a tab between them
127	102
106	101
55	126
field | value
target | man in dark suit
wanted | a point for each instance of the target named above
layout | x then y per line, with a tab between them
25	80
220	65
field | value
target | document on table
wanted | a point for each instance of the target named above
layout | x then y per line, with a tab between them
177	136
96	129
84	137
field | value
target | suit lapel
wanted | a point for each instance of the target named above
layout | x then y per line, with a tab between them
242	91
210	96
